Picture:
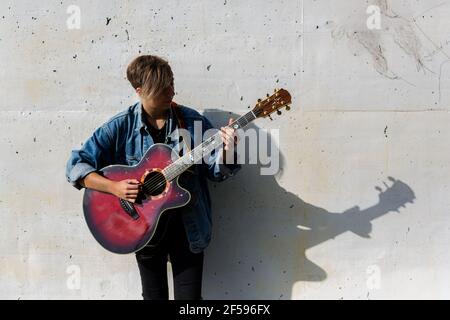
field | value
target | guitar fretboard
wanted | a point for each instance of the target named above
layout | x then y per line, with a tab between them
197	154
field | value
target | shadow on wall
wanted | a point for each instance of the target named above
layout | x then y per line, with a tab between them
261	232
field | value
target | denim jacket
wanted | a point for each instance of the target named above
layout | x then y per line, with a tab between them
125	138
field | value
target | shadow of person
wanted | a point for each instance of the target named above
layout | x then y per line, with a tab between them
261	232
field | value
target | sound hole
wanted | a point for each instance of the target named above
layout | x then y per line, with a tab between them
154	183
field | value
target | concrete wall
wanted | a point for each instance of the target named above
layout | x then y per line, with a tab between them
366	137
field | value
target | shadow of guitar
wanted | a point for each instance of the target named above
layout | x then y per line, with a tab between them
261	233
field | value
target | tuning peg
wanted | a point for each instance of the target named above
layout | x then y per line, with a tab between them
275	90
288	108
267	95
259	100
270	117
279	112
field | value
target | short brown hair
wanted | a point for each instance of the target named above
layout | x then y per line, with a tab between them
150	73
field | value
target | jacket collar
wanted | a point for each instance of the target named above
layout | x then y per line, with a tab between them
140	121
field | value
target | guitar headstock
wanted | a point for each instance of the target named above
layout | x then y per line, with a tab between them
395	196
280	99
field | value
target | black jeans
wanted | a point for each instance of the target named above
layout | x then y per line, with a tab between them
187	267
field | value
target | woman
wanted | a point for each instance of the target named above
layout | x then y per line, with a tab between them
183	233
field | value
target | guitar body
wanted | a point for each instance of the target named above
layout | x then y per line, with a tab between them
111	221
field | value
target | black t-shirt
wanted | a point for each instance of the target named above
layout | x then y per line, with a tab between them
170	227
158	135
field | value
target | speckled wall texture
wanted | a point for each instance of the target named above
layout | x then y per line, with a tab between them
359	208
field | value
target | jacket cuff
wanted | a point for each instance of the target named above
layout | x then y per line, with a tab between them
79	171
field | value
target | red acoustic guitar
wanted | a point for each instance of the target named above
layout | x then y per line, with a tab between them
123	227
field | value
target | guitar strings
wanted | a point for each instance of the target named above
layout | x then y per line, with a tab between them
158	181
252	114
155	183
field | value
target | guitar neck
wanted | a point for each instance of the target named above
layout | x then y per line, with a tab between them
205	148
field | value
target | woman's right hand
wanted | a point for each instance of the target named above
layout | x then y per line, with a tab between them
127	189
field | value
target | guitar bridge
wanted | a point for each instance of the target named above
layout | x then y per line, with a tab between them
129	208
